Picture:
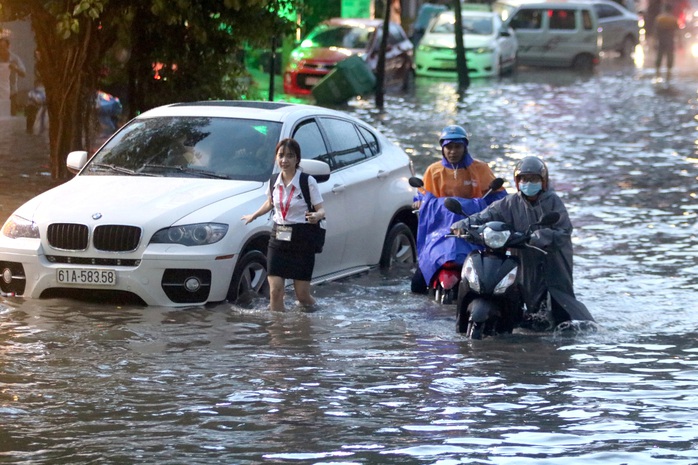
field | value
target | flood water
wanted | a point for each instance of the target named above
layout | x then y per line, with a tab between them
377	375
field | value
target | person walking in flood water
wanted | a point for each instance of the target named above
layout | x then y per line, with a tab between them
291	255
665	27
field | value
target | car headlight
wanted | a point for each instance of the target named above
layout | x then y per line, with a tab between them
191	234
470	275
483	50
495	239
17	227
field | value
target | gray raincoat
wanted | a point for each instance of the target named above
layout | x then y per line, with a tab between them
540	272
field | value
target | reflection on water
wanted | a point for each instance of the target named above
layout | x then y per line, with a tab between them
378	375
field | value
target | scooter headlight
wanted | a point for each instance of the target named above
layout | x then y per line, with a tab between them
505	282
470	274
495	239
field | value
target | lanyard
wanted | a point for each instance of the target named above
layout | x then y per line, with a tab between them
284	208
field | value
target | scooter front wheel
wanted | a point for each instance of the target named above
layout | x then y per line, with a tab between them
474	330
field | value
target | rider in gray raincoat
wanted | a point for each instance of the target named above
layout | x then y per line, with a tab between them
539	274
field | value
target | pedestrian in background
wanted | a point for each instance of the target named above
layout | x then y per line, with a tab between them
291	252
665	28
17	70
36	106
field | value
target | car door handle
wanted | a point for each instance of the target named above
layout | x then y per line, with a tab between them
382	174
337	188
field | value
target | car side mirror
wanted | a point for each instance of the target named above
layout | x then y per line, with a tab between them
76	161
317	169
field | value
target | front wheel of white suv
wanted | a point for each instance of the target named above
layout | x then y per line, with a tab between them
249	278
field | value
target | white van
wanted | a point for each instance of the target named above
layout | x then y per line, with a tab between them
553	33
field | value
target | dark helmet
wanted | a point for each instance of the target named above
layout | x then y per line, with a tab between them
531	165
453	133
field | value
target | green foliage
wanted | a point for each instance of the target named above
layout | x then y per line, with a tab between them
155	51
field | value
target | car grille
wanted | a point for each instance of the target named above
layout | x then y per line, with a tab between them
116	238
132	262
68	236
109	238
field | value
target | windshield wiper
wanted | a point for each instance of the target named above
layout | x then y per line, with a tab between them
186	169
117	169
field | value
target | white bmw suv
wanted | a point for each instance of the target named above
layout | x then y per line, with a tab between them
155	213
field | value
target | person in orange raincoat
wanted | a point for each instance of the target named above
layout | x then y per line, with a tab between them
457	175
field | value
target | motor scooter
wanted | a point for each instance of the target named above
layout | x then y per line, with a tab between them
440	255
489	297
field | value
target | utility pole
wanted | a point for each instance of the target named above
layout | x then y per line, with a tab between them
380	68
272	67
461	60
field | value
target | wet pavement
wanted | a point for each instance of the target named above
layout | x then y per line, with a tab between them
24	157
377	375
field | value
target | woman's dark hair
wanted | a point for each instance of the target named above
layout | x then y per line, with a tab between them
292	145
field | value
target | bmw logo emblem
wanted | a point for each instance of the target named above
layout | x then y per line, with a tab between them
96	216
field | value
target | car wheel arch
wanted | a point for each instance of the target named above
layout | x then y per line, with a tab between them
404	221
255	247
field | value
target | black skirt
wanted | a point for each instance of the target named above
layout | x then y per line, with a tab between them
290	260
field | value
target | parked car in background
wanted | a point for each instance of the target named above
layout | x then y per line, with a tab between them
336	39
490	48
620	27
426	13
553	33
156	213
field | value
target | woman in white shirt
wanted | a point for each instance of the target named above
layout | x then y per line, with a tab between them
291	255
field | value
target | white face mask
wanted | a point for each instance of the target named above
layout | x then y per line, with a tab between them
531	189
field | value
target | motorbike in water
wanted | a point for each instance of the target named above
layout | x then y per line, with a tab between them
490	300
440	255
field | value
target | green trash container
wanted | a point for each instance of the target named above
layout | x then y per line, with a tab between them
352	76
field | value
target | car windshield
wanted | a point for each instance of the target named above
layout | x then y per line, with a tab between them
217	148
471	25
339	36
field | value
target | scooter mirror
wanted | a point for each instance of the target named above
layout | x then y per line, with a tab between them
454	206
496	184
416	182
549	219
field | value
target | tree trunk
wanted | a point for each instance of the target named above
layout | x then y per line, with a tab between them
63	66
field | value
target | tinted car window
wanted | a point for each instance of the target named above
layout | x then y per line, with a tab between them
562	19
312	144
371	141
527	19
224	148
471	25
586	20
606	11
339	36
347	146
396	35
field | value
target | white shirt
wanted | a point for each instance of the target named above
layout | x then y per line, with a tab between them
297	207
